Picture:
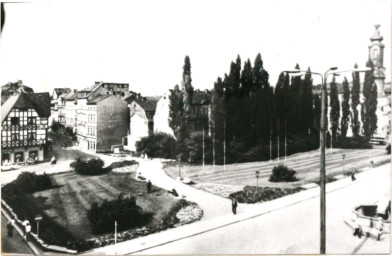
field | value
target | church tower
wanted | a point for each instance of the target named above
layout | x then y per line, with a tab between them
376	56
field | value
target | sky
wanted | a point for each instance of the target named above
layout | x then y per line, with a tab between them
51	44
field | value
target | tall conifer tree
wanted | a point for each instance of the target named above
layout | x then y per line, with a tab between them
345	109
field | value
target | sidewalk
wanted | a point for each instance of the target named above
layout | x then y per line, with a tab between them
143	243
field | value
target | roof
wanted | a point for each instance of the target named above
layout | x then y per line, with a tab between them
13	87
38	101
60	91
70	95
201	97
147	105
97	99
92	87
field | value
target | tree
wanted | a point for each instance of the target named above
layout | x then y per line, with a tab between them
246	79
369	117
187	93
176	113
334	115
306	102
355	124
345	109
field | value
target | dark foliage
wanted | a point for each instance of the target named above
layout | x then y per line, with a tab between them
56	127
345	109
160	145
353	143
124	210
251	194
282	173
388	149
28	182
122	164
93	166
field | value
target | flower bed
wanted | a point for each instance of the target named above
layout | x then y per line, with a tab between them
251	195
218	189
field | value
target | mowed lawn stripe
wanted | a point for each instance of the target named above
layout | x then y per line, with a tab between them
100	191
80	193
333	162
293	163
72	205
106	186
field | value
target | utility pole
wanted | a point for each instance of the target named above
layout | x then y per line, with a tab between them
278	141
270	142
204	171
224	146
285	139
213	147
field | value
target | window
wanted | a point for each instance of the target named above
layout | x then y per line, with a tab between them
15	137
14	120
31	136
31	121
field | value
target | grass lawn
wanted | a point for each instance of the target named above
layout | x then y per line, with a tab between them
67	204
307	166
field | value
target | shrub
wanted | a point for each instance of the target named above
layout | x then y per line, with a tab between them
194	148
160	145
56	126
89	167
123	210
388	149
353	143
251	195
122	164
282	173
28	182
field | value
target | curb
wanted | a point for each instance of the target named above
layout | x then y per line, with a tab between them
219	222
29	243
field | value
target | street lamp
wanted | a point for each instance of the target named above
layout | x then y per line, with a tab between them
322	142
343	156
38	218
257	178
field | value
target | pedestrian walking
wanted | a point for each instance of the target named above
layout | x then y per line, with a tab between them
358	228
53	160
27	231
234	204
353	175
149	186
10	227
380	227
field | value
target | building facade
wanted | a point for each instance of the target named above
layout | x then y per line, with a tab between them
24	119
141	124
102	123
56	104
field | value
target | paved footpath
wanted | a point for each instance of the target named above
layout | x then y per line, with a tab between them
285	225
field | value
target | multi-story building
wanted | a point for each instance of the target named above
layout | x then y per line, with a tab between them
141	124
57	103
70	107
24	119
102	123
96	131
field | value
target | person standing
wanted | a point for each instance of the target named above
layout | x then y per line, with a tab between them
10	227
149	186
27	231
234	205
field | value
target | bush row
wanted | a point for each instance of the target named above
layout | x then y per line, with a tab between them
93	166
124	210
282	173
251	194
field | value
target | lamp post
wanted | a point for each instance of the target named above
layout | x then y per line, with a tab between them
38	218
343	156
322	143
257	178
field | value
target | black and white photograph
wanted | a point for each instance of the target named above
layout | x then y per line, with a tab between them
196	127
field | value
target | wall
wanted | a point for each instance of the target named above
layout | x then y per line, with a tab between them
161	118
112	122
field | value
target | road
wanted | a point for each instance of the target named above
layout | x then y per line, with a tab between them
294	229
14	244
